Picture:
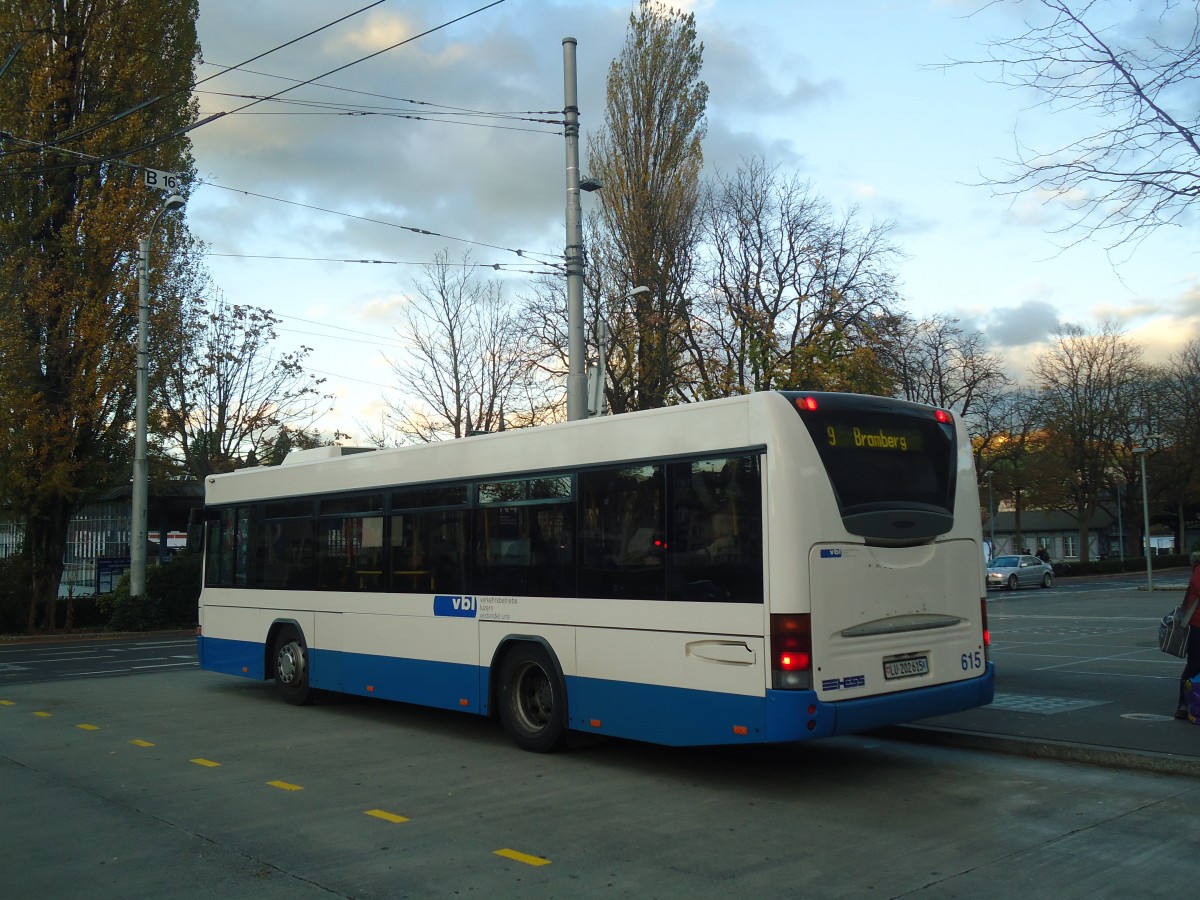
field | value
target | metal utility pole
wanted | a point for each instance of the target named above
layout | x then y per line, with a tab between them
576	376
137	528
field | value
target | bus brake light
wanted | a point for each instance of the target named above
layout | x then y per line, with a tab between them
795	662
942	416
806	404
791	652
987	635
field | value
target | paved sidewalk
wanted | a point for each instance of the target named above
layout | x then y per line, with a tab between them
1079	677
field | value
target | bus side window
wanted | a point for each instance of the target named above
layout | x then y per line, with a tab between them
623	547
716	538
228	551
444	538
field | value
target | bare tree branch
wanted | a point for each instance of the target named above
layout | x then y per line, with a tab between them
1139	170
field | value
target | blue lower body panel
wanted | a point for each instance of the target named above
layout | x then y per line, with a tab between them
243	658
671	716
799	715
676	717
679	717
439	684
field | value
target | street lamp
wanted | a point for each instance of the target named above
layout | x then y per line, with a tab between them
1141	452
991	518
137	537
595	402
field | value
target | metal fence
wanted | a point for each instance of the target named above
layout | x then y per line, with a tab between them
96	532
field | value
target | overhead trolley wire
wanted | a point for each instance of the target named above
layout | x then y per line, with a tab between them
447	237
119	155
342	68
394	99
326	108
496	266
83	132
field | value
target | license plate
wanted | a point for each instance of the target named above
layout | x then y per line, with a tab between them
908	667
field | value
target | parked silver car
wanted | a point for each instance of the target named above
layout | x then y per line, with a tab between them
1022	570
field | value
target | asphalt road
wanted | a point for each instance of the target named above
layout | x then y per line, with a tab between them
176	782
1079	676
23	662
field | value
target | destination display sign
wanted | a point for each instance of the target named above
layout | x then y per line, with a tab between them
849	436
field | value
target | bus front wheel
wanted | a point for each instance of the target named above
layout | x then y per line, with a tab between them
290	667
533	699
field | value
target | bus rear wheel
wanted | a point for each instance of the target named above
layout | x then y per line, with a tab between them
533	700
290	668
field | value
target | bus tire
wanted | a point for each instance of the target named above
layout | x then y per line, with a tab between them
289	665
533	699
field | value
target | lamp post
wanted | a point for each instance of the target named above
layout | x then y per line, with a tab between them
1141	452
595	403
1120	527
991	517
137	530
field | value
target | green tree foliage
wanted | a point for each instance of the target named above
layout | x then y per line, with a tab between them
93	88
648	157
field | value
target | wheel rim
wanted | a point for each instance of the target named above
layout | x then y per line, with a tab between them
533	698
289	664
1012	582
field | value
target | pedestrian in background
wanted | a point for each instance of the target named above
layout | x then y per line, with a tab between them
1192	668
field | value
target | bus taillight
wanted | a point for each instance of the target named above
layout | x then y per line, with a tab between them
987	635
791	652
808	404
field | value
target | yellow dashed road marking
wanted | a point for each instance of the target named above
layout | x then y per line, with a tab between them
206	762
43	715
386	816
523	858
284	786
89	727
138	743
6	702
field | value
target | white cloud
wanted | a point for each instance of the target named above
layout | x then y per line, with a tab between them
837	93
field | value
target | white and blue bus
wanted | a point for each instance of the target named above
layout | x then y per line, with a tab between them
774	567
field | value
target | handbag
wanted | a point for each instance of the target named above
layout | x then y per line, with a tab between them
1174	628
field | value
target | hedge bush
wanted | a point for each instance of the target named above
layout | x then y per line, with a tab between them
1128	565
14	594
169	601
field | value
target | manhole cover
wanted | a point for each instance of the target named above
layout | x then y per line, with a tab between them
1147	717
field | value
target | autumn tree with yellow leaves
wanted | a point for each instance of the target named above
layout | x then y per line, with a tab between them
90	92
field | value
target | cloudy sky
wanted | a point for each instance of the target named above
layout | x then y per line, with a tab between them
850	95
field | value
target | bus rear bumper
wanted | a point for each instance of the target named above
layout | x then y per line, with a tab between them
799	715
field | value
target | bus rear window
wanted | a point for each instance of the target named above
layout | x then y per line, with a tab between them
892	464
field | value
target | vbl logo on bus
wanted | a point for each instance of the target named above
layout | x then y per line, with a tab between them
452	605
